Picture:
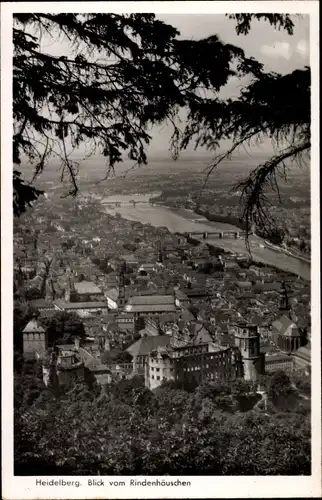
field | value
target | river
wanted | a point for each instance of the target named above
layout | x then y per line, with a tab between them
186	221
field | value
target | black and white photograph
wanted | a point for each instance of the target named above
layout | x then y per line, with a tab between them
161	238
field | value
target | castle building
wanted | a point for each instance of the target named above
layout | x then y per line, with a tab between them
192	364
212	362
68	365
141	349
191	356
159	367
34	340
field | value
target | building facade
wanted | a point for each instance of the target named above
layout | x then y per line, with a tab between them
192	364
277	362
34	340
247	340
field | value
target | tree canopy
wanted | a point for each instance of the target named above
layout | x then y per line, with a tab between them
63	327
126	73
131	430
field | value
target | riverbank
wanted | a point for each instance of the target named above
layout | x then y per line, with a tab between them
286	251
219	250
241	225
224	219
186	221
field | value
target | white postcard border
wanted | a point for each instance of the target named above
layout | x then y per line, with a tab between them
201	486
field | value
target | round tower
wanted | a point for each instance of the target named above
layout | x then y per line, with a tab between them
247	340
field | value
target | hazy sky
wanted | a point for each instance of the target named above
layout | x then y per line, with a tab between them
278	51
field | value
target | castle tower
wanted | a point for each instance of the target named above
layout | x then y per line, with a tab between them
121	297
247	340
34	340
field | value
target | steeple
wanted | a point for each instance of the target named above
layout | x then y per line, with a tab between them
284	302
69	289
121	296
160	253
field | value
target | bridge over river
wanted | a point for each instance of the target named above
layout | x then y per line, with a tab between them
217	234
139	208
130	203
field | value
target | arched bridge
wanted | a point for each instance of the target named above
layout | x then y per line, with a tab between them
218	234
114	204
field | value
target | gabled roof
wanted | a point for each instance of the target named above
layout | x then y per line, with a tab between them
258	320
196	292
303	353
267	286
112	293
285	326
87	287
129	257
146	266
151	303
181	295
145	345
277	358
47	313
80	305
199	334
42	304
33	327
244	284
151	299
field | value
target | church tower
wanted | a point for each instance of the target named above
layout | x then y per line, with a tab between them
284	302
121	296
70	290
247	340
160	254
51	291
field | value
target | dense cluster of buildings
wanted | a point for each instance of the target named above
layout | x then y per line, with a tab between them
155	304
172	344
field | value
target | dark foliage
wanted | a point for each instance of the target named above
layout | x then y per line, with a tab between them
130	430
126	73
23	194
63	328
